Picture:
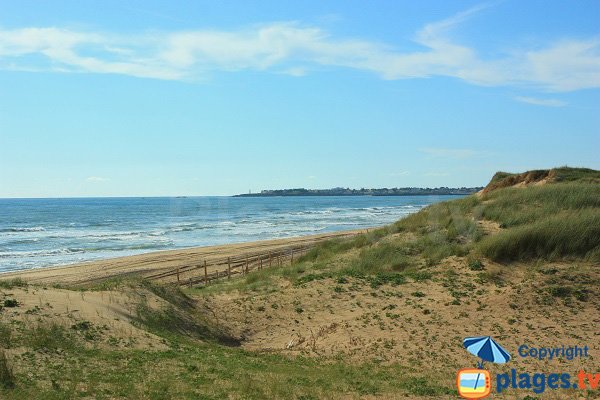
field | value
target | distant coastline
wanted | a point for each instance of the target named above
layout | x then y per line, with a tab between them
407	191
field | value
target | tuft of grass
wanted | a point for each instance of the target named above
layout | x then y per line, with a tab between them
383	257
475	264
5	335
49	337
7	379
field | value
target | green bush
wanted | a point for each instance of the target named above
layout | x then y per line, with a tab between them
11	303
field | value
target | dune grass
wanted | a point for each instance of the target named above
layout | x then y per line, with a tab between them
549	222
573	234
12	283
517	206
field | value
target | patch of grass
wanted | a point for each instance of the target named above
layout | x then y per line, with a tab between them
565	291
518	206
7	379
12	283
5	335
383	257
475	264
559	291
313	277
332	247
570	174
565	234
419	276
190	372
48	337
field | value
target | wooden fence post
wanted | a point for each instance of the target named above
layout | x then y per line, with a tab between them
228	267
190	283
292	259
205	274
246	264
177	275
260	266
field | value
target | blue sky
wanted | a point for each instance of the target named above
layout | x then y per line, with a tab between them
142	98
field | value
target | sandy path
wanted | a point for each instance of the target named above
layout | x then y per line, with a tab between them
155	262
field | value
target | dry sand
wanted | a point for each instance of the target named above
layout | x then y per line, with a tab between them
156	262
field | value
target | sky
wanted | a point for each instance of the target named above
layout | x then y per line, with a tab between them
155	98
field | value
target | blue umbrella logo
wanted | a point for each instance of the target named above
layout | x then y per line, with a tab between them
487	349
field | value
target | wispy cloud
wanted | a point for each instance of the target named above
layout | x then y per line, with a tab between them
448	153
290	47
96	179
399	173
541	102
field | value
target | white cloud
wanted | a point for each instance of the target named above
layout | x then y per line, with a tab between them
449	153
293	49
541	102
96	179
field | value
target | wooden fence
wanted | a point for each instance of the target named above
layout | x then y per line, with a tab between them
205	272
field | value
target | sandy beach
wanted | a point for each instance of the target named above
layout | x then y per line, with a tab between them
160	261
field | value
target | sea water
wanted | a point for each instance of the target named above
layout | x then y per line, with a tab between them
36	233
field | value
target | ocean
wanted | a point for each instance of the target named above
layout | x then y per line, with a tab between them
37	233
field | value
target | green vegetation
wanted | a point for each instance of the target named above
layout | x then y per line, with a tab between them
203	371
7	379
198	363
10	303
550	222
5	336
47	337
583	175
12	283
558	221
